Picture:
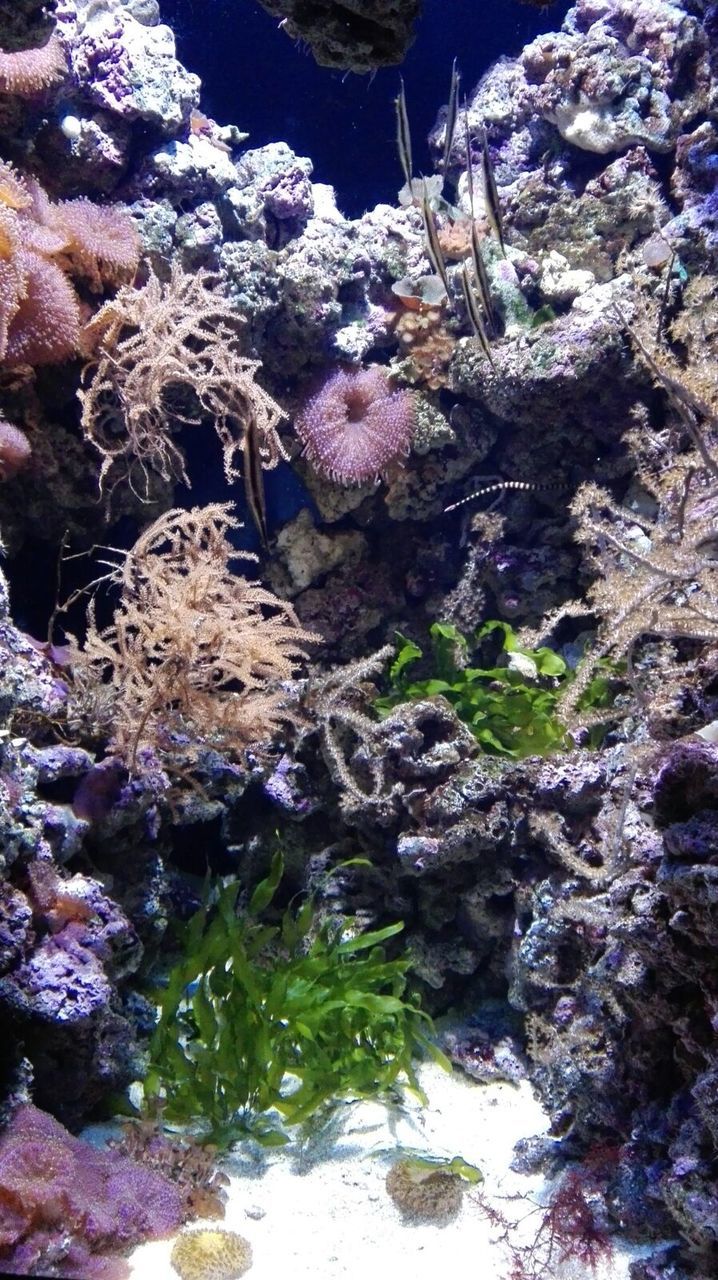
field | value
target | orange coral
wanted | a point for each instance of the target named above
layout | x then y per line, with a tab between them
41	243
28	71
428	344
14	190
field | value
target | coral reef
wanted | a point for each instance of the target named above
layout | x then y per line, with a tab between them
566	903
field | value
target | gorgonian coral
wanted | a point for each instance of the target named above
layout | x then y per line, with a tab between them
195	653
355	426
25	72
171	354
42	243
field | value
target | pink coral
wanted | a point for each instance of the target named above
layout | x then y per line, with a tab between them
46	325
42	243
28	71
15	449
355	425
101	241
68	1209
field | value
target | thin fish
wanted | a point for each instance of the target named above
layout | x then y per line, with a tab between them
403	135
431	235
502	486
475	317
253	477
493	207
482	279
451	116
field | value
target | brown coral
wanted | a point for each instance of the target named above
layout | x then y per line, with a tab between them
26	72
427	343
195	653
432	1195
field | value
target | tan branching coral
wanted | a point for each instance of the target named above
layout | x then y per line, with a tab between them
26	72
655	576
170	354
195	653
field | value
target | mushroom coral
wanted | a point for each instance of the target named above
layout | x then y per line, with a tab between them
43	243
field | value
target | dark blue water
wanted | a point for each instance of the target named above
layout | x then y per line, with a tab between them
254	76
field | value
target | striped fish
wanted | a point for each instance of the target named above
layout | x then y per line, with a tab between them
253	477
403	135
474	313
451	116
493	208
431	239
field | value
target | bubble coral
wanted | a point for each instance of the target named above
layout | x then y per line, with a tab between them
211	1254
26	72
433	1195
355	425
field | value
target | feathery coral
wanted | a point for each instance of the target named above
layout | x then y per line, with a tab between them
160	343
25	72
355	425
194	652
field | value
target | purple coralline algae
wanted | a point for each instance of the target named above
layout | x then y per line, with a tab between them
68	1209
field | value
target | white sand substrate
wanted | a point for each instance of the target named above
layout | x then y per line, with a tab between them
320	1211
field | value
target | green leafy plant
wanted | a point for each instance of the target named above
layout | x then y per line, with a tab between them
511	709
264	1025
